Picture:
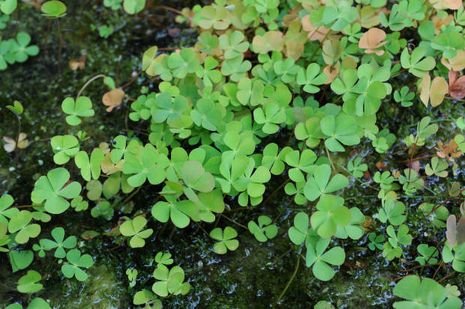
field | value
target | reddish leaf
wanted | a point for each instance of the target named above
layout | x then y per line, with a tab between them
456	86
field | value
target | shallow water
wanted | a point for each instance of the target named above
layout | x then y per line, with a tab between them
253	276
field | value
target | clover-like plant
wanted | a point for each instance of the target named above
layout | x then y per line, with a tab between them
77	109
419	292
54	191
75	265
264	229
169	281
331	214
321	183
54	9
21	225
65	147
30	282
134	228
226	239
59	243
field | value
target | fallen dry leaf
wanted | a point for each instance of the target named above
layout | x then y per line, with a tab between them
371	40
456	85
433	91
113	98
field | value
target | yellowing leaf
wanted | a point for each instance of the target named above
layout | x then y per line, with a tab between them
433	91
113	98
294	40
108	167
456	63
270	41
369	17
371	40
446	4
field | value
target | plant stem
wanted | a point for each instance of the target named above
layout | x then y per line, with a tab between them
329	158
167	8
236	223
88	83
290	280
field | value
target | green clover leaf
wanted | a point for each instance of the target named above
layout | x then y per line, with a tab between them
21	224
321	183
64	147
226	239
419	292
135	229
146	164
264	230
77	109
30	282
54	191
330	216
76	264
59	243
169	281
311	78
320	260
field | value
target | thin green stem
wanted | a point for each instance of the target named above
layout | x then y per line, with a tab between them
236	223
88	83
297	265
329	158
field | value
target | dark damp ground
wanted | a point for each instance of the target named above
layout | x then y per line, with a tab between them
253	276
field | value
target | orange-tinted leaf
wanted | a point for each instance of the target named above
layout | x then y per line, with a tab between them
314	33
439	22
371	40
270	41
448	151
113	98
331	71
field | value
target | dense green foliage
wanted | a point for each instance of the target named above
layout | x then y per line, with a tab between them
274	96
